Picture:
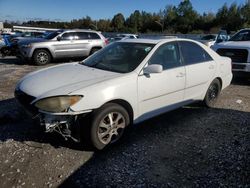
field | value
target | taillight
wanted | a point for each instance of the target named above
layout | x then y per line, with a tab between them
106	41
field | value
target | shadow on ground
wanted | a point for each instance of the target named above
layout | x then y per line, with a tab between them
243	81
11	60
191	146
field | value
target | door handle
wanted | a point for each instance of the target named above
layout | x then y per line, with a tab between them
180	75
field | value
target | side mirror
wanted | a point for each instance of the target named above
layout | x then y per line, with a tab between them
59	38
154	68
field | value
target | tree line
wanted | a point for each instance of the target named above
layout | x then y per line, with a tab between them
172	19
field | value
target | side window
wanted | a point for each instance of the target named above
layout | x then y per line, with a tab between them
192	53
243	35
81	35
94	36
166	55
68	36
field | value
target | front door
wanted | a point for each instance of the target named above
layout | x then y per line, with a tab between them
67	46
160	92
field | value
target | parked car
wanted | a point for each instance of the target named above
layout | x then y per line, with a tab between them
130	36
61	44
1	42
208	40
10	46
124	83
26	35
122	37
238	49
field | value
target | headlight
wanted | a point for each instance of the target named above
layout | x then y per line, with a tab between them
27	46
57	104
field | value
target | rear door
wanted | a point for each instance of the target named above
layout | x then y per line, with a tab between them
83	43
200	69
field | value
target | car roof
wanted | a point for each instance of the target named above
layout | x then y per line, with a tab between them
80	30
156	41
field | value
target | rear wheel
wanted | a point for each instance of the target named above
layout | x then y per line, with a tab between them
41	57
212	93
108	125
94	50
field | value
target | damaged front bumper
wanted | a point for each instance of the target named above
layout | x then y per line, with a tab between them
66	124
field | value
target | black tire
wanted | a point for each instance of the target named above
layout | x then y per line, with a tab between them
213	93
100	119
5	51
94	50
41	57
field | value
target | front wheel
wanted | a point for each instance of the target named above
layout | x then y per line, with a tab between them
212	93
108	125
5	51
41	57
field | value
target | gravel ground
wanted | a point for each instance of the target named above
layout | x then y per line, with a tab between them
190	147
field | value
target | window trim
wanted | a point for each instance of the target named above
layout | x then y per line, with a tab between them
180	56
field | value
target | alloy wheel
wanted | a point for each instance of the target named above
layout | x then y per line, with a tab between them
111	127
42	57
213	92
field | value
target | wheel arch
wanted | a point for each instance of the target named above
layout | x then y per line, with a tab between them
95	47
220	80
125	105
46	49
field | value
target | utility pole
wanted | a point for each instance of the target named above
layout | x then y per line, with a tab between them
162	24
95	25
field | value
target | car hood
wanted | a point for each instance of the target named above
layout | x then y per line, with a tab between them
26	41
62	80
236	44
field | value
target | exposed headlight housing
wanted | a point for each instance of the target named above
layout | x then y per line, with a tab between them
57	104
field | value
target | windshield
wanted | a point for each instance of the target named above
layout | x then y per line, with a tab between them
122	57
53	35
241	36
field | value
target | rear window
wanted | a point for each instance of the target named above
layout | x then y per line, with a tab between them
86	35
81	35
94	36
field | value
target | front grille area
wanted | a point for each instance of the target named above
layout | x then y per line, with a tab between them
237	55
25	100
237	66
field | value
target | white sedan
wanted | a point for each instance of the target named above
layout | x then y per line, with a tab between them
125	83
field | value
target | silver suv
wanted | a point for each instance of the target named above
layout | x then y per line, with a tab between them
61	44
